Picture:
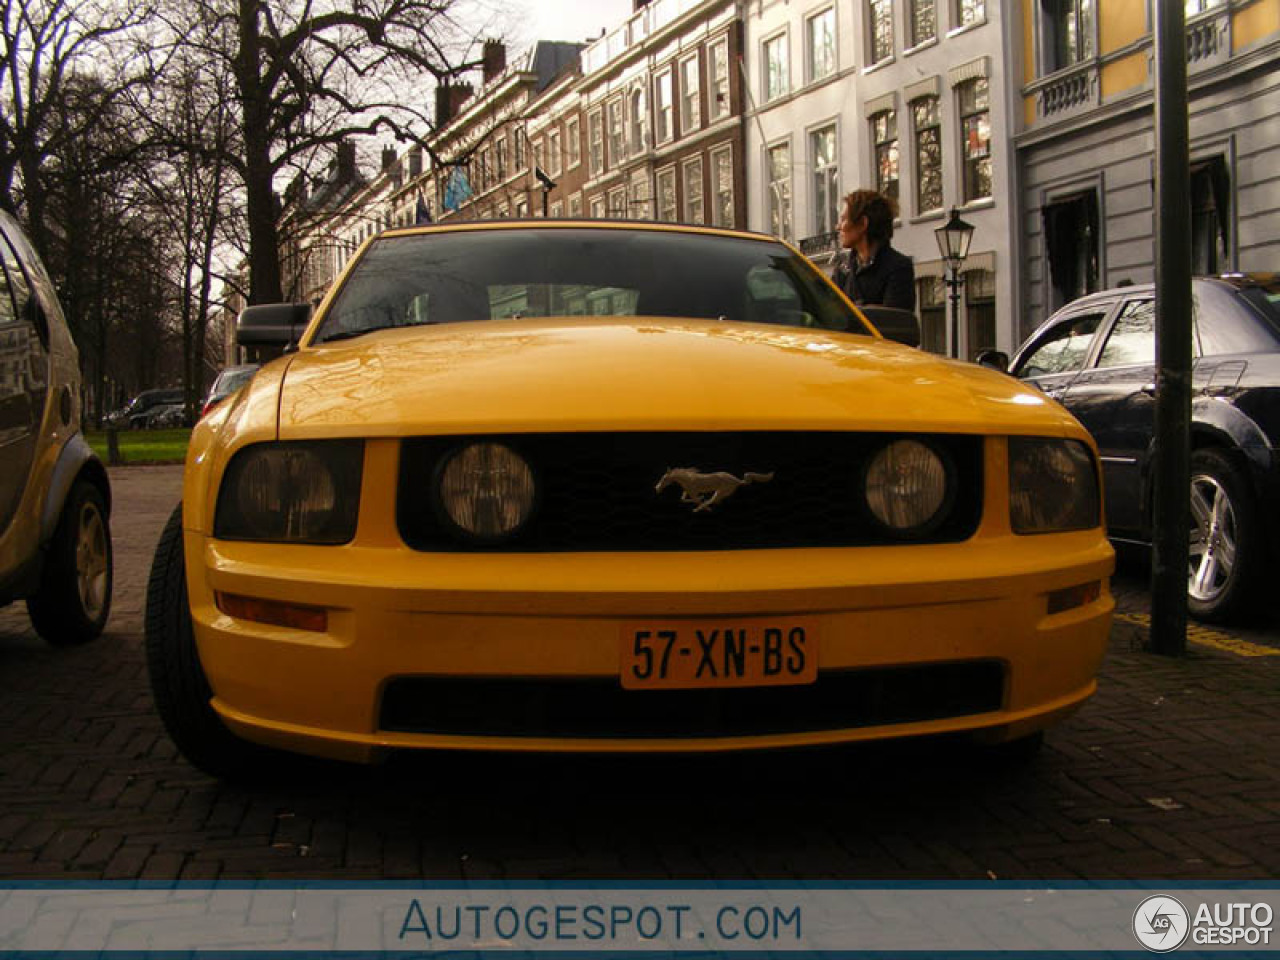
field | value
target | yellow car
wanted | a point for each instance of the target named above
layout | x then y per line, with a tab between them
580	486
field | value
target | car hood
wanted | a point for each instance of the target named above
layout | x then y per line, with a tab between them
575	374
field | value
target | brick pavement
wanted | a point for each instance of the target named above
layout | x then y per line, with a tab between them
1170	772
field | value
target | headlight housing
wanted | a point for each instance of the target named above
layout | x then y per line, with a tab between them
908	487
485	491
1053	486
296	492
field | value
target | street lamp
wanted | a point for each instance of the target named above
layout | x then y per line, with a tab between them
953	239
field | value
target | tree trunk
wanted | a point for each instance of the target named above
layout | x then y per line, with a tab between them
264	246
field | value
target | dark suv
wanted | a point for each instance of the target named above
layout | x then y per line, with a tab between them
1097	357
55	545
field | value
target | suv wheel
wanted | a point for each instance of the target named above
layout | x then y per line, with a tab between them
74	597
1226	549
178	682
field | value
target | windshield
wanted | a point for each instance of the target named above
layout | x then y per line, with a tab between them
476	275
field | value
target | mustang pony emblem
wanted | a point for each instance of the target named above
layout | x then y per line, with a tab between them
706	489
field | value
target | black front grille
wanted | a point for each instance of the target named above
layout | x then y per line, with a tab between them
596	491
601	708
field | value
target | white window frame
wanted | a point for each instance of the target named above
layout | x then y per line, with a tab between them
640	195
598	207
718	87
573	143
818	216
616	135
595	146
810	64
784	216
715	155
637	126
667	214
768	92
617	208
575	205
664	115
690	99
694	189
555	159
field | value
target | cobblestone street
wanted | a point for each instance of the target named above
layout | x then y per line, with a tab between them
1170	772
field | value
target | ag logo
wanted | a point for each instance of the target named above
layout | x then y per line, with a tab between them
1161	923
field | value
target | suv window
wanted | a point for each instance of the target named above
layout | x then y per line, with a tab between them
1063	348
1132	340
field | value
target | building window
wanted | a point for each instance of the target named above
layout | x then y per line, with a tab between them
776	68
1210	217
980	311
931	295
618	203
970	11
820	43
693	190
880	23
500	157
667	209
617	135
522	209
1071	245
928	132
922	21
718	105
884	134
597	207
638	121
555	159
639	197
975	129
521	148
1066	33
663	118
595	149
1200	6
557	210
690	96
779	200
572	143
826	180
722	182
575	205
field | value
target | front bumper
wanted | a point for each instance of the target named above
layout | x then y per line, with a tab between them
397	616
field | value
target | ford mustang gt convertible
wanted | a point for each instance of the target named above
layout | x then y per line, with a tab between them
590	486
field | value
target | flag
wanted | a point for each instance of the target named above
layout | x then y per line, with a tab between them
457	190
421	212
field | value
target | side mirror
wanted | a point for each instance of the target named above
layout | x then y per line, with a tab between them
272	324
993	360
900	326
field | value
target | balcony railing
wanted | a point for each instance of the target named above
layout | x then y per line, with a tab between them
1208	40
1068	90
644	24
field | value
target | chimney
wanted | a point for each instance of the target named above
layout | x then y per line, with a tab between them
388	158
345	166
449	100
494	59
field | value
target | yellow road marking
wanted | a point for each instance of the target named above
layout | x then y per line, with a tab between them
1204	637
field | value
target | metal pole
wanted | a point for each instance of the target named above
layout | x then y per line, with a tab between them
1171	503
953	281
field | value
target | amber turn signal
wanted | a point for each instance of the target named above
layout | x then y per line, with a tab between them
273	612
1073	597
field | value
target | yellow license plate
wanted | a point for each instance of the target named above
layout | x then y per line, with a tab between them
685	654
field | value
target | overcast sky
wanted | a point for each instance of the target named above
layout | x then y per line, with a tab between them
564	19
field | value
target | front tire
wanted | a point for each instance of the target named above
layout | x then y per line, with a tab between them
178	682
1226	551
73	601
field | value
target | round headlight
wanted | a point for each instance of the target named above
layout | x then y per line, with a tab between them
487	490
906	486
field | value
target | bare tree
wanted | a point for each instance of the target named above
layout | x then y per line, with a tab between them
309	74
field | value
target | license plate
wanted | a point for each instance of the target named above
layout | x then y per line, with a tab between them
685	654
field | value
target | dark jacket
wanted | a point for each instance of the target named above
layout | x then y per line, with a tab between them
889	280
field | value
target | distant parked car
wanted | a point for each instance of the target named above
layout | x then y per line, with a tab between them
55	544
166	417
137	414
227	382
1097	357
